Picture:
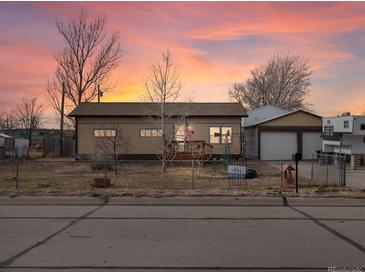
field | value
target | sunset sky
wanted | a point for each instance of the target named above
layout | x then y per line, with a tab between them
214	44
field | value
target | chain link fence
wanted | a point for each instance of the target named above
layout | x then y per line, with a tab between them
143	177
81	176
329	169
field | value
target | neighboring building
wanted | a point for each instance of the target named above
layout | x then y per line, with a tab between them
13	147
6	145
138	124
345	135
278	134
38	133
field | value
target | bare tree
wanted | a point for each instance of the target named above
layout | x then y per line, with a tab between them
29	114
163	85
283	81
86	62
108	148
8	122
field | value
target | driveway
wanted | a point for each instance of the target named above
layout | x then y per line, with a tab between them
354	178
215	233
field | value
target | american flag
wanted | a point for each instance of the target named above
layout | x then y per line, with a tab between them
188	133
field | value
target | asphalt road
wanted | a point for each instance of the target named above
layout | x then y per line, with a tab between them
181	233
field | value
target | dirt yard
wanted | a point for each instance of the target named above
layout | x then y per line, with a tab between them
70	178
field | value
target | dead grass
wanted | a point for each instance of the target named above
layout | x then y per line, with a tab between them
69	178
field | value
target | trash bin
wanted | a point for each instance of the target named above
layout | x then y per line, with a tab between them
2	153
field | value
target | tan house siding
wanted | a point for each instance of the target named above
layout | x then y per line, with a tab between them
130	128
296	119
201	126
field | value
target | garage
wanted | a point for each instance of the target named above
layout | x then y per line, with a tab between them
278	145
312	142
282	135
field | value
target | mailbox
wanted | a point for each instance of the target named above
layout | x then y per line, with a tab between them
297	157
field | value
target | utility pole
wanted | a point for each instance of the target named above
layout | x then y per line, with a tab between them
100	93
62	114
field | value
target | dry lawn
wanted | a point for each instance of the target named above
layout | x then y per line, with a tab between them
70	178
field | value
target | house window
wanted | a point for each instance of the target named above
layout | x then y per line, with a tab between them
150	132
226	134
98	133
328	130
220	135
346	124
362	127
214	135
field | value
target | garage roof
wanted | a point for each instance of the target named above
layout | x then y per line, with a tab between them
282	115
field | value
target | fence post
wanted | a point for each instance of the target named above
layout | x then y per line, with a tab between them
281	174
296	176
313	158
192	175
17	175
327	163
104	174
344	173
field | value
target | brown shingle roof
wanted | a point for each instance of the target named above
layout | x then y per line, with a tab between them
140	109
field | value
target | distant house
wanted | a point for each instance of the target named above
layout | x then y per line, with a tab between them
213	123
272	133
345	135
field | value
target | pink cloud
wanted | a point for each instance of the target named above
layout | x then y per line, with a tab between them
209	68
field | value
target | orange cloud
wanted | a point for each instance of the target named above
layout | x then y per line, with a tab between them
214	44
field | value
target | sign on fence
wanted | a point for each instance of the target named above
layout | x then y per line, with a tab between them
236	172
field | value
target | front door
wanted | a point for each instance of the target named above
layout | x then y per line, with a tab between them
179	136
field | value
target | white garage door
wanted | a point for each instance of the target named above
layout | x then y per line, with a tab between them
278	145
311	142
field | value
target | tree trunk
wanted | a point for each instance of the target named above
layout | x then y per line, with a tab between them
115	155
163	138
62	116
29	141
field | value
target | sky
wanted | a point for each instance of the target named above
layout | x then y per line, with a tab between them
214	45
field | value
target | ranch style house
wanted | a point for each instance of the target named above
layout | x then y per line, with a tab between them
138	124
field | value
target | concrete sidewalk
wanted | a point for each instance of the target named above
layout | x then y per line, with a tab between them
204	233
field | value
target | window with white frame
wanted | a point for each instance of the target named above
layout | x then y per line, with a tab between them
328	130
226	135
150	132
214	135
346	124
99	133
220	135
